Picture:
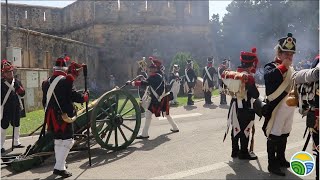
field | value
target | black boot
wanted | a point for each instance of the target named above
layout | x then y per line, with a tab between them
62	173
205	97
235	146
190	102
281	153
209	97
244	153
273	163
223	99
3	150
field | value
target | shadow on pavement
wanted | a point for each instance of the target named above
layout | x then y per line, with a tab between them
100	156
150	144
210	106
224	106
243	169
190	107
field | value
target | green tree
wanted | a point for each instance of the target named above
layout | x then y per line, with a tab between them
261	23
181	59
216	35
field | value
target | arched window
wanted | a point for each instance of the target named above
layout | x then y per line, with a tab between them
118	5
168	4
26	14
44	16
189	7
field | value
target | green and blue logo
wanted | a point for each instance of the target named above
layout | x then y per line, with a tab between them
302	163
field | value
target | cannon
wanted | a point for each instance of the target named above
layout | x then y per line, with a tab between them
114	120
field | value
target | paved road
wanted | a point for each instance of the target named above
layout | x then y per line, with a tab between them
196	152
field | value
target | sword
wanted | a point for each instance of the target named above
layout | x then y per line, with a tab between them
225	134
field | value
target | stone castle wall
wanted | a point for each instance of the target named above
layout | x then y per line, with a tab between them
82	14
125	32
38	54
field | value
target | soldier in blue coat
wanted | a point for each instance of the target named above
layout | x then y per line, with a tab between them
190	80
279	116
159	97
209	75
223	66
11	103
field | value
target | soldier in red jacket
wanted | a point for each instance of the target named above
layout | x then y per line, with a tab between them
59	93
241	114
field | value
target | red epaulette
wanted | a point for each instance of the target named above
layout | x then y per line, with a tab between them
231	75
69	77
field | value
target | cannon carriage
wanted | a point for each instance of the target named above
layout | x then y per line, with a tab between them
114	121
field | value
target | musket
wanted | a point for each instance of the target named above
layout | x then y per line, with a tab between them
85	73
35	130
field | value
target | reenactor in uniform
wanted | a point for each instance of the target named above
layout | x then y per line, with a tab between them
190	80
11	103
174	83
241	110
159	98
143	75
223	66
278	115
307	81
59	93
209	80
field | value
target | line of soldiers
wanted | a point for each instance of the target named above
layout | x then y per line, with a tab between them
211	80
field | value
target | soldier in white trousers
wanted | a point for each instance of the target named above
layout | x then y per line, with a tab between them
156	99
174	83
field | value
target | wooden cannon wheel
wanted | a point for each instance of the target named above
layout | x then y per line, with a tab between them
115	120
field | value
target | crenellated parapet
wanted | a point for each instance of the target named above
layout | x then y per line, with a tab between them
82	14
39	18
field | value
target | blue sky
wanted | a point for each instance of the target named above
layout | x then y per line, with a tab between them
215	6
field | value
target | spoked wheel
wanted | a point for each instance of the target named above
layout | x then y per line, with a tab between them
115	120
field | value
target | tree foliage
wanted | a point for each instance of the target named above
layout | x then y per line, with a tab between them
261	23
181	59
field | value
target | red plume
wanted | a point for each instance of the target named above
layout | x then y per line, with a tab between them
254	50
66	58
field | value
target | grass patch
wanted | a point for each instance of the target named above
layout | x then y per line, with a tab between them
184	99
35	118
29	123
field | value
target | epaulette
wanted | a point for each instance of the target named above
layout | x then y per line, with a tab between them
69	77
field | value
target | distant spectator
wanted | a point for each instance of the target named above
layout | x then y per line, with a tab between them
112	81
305	65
